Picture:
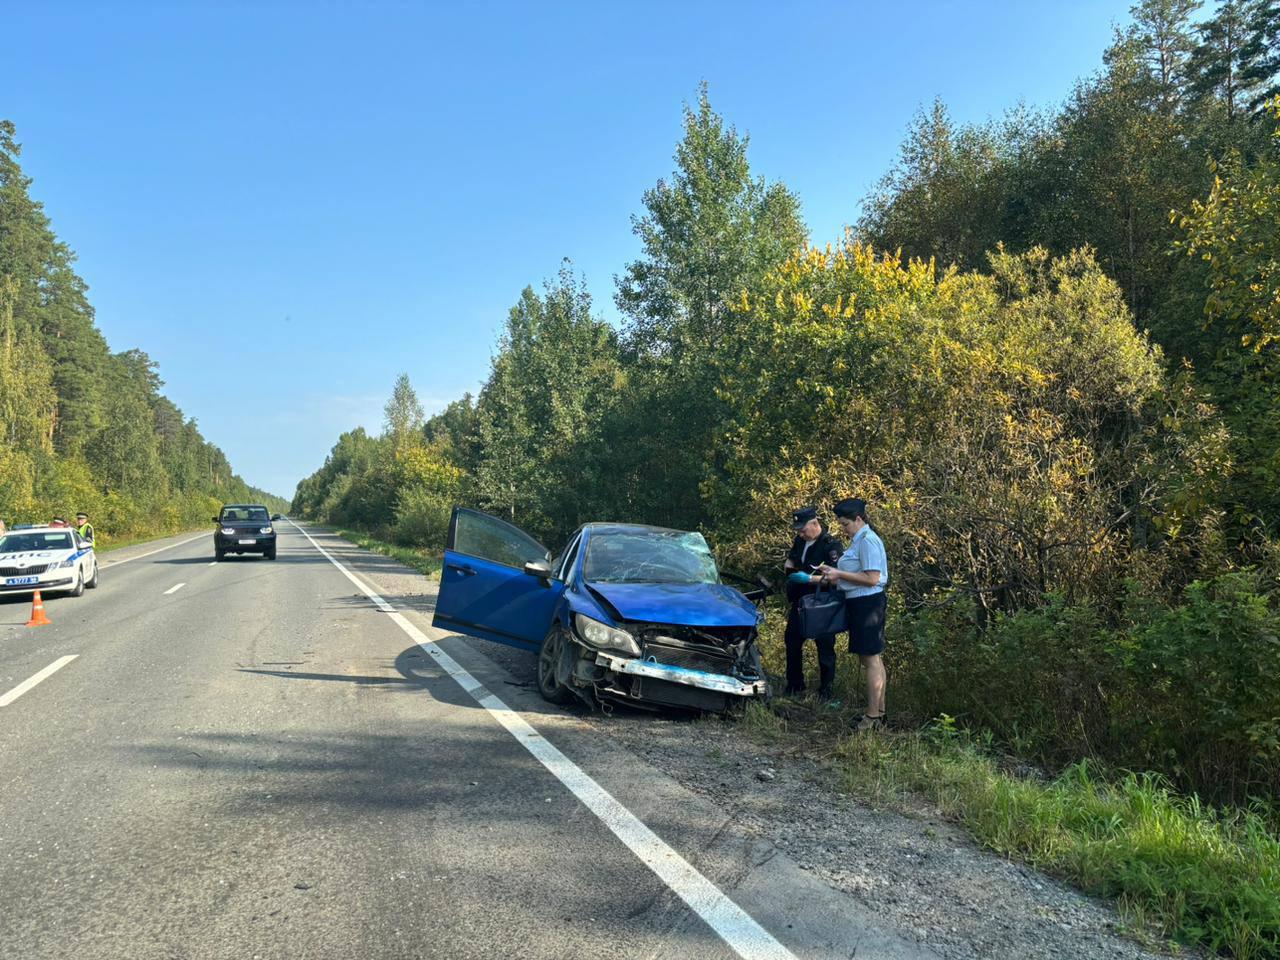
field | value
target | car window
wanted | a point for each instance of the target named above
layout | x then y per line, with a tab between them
562	564
479	535
249	514
649	556
25	542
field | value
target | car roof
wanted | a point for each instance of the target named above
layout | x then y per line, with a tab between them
608	527
42	528
243	506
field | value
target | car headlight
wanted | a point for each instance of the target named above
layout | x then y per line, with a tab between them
604	637
69	562
228	531
264	530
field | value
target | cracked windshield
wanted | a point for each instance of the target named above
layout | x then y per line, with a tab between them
703	481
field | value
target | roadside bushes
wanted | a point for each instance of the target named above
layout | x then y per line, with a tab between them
997	422
1059	572
396	486
428	488
1190	690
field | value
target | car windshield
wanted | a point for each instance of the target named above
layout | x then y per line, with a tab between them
250	514
28	542
649	556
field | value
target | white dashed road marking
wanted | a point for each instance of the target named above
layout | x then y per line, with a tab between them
174	589
30	682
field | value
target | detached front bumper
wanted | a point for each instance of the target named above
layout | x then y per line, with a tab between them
715	682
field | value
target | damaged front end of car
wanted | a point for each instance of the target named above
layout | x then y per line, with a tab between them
704	668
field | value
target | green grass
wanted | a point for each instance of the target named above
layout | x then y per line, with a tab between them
425	561
118	543
1200	876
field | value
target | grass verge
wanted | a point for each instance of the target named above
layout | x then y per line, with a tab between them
119	543
1200	876
426	562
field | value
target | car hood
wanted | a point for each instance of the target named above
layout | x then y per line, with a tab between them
688	604
244	524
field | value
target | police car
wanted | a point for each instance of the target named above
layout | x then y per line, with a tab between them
48	559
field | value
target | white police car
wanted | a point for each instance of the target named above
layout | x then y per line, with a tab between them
48	559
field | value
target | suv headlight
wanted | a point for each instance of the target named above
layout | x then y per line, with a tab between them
228	531
264	530
604	637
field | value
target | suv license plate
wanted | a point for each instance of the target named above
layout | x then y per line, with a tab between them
248	541
15	581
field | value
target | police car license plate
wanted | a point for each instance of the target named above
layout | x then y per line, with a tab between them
248	541
15	581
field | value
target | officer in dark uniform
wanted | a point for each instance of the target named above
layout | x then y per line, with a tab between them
812	546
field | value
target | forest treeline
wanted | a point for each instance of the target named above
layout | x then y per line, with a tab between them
82	428
1046	353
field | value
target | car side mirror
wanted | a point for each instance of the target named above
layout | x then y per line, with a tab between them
214	519
538	568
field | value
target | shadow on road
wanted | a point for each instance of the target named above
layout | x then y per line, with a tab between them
245	558
418	602
476	819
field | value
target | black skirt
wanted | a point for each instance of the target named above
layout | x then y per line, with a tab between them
866	623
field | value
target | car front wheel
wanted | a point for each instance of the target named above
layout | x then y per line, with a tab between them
78	589
549	656
93	581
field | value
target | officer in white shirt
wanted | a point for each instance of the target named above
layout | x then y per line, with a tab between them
863	573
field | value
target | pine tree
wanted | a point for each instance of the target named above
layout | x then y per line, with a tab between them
1220	64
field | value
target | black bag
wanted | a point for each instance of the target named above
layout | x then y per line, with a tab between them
822	613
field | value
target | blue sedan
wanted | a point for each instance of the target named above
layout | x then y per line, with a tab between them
624	612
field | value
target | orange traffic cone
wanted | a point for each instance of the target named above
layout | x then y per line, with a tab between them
38	619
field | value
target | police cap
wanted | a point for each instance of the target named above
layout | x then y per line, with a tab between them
803	516
851	507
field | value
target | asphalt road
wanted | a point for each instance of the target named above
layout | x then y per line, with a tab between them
264	762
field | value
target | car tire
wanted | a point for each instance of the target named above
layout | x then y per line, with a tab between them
92	582
78	589
270	554
219	554
552	690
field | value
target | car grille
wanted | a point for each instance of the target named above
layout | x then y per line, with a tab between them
23	571
680	656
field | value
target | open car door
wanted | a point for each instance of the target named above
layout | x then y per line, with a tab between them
484	591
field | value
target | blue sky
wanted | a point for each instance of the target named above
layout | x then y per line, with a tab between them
286	205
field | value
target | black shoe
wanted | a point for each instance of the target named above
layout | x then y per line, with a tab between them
793	691
825	693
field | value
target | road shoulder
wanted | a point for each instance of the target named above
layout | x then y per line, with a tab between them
759	819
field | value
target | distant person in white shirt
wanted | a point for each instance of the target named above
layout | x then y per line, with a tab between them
863	573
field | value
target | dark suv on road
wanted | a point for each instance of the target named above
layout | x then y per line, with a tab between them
245	528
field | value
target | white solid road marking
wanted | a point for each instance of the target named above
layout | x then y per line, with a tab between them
116	563
44	674
734	925
174	589
213	563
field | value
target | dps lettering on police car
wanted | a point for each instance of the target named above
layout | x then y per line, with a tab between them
48	559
